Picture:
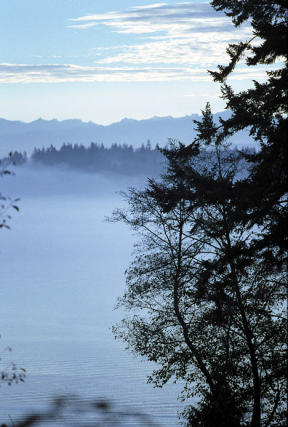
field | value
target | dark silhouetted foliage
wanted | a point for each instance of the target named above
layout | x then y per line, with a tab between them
10	373
207	290
262	109
199	305
6	203
73	411
258	202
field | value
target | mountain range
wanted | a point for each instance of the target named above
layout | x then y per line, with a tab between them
21	136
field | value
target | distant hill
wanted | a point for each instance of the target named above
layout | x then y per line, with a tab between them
17	135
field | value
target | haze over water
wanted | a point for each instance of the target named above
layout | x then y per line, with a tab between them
62	269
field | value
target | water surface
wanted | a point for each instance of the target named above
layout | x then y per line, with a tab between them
62	269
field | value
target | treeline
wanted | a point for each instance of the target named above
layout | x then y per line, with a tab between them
122	159
15	158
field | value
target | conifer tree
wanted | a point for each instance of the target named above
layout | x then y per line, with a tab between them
263	110
212	309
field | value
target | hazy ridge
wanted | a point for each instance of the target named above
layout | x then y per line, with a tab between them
21	136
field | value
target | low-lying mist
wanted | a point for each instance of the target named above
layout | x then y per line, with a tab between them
36	180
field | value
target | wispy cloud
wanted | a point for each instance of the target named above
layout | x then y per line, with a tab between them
170	42
159	17
176	51
58	73
185	33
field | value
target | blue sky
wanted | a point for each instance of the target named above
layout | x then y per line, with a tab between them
103	61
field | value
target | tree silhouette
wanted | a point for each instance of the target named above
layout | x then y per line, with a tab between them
197	303
208	286
263	110
260	199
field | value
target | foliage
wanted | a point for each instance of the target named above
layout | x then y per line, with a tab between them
261	199
201	307
97	158
9	373
263	110
6	202
208	284
245	221
70	410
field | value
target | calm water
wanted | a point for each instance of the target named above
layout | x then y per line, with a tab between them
62	268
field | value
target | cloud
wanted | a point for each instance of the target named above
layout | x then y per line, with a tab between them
159	17
201	95
185	33
57	73
170	43
67	73
189	52
150	6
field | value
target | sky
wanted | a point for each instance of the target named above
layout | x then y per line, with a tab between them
107	60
